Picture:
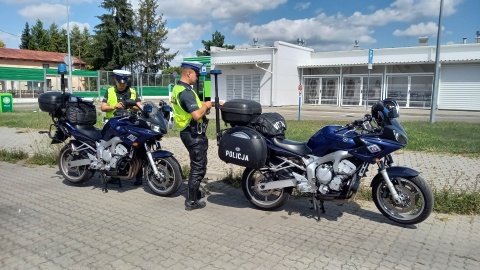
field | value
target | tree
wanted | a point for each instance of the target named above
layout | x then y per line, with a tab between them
170	70
55	39
40	39
26	38
2	44
75	40
152	56
217	41
114	36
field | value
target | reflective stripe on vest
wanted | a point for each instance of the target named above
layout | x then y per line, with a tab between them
113	100
180	116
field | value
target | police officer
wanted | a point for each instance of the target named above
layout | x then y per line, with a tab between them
114	99
189	116
116	96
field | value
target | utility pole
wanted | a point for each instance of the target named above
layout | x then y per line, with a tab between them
436	76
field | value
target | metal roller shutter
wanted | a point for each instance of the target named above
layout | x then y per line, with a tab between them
459	87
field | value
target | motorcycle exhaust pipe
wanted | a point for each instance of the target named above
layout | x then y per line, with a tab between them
277	184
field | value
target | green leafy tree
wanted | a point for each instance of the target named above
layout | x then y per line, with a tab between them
40	38
170	70
55	39
217	41
26	38
63	45
87	48
75	40
114	36
152	55
2	44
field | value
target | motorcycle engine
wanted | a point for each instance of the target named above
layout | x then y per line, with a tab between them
120	152
328	179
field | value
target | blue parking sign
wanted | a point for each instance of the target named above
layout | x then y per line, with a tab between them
370	58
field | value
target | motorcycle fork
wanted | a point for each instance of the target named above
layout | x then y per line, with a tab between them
383	171
152	162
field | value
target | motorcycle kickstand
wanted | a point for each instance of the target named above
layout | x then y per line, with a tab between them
105	183
318	205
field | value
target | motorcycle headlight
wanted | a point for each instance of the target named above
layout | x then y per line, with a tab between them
155	128
399	137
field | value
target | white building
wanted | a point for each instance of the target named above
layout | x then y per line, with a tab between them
272	75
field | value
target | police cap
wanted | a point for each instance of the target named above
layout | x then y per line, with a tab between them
195	66
122	75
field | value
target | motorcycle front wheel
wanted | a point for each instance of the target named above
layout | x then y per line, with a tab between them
263	199
170	178
74	175
416	200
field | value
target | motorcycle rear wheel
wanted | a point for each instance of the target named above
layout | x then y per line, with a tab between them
266	199
416	195
170	176
74	175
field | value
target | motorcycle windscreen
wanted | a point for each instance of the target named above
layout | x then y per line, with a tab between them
155	116
244	147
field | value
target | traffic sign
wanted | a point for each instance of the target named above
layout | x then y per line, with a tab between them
370	58
68	60
203	71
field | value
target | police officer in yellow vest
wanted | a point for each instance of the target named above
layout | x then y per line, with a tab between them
116	96
114	100
189	116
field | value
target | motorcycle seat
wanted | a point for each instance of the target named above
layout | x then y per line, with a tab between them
89	131
299	148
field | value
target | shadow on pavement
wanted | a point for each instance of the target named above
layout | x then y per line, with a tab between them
225	195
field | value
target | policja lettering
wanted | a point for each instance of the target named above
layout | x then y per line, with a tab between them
235	155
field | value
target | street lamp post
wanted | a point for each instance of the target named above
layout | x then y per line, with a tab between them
436	79
70	58
45	66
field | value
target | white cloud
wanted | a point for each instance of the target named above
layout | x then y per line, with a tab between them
181	39
217	9
36	2
338	31
47	13
79	24
404	11
321	33
302	5
417	30
186	33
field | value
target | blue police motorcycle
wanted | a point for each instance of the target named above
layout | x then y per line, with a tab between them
330	166
125	145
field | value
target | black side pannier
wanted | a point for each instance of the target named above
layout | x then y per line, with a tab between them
81	112
243	146
270	124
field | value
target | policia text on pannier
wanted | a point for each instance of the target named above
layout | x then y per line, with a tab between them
242	145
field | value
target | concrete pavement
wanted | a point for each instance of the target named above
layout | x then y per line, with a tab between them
46	223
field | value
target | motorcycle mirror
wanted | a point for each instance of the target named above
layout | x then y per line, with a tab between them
147	109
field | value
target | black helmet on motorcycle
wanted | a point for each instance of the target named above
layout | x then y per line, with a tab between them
385	109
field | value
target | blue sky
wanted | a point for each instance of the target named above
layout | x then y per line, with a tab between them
325	25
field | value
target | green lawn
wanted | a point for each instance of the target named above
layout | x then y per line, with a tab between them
441	137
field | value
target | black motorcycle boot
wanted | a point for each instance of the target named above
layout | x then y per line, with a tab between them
138	181
192	202
138	178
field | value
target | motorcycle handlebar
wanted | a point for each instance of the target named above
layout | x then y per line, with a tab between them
356	123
